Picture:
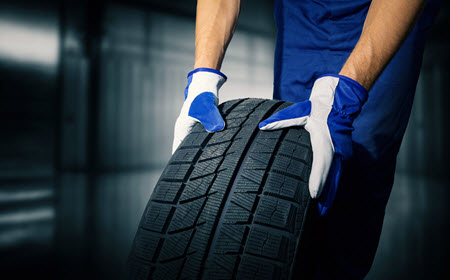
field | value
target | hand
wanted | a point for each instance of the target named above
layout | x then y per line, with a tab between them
328	117
200	104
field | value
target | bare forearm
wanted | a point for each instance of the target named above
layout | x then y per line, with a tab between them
387	25
215	24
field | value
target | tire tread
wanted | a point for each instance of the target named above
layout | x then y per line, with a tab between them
229	204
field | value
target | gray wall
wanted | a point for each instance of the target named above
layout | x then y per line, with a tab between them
87	129
27	120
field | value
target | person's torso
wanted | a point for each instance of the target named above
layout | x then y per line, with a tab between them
316	38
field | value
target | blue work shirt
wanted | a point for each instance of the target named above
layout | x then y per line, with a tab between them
315	38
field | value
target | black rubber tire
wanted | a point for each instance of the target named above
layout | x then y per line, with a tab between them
230	204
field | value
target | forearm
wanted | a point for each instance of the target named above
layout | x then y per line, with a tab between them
387	25
215	24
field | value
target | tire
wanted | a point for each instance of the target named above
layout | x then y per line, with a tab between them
230	204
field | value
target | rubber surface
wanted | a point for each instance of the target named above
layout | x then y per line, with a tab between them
229	205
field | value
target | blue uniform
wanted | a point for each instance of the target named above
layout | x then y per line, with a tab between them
316	38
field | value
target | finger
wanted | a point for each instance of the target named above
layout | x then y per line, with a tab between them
282	123
294	115
211	119
323	152
204	110
183	127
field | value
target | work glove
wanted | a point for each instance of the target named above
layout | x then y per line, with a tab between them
200	104
328	116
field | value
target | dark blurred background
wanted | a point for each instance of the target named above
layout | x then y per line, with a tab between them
90	91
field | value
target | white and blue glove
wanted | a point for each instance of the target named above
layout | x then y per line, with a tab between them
200	104
328	116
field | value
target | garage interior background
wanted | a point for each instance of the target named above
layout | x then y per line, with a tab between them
90	91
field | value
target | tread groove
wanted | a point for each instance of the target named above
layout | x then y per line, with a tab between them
185	229
283	197
196	198
272	226
294	158
272	260
287	174
298	144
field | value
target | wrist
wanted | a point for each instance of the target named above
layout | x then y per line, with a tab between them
362	65
207	63
209	53
360	79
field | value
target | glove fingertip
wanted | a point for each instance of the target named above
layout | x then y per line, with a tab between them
269	124
214	127
263	125
314	187
313	193
213	121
